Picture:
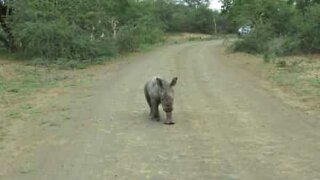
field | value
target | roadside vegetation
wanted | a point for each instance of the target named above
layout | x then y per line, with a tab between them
284	34
300	75
278	27
74	32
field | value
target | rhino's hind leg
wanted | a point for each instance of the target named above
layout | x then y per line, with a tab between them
146	94
154	114
148	101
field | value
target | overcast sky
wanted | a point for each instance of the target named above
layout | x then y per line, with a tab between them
215	4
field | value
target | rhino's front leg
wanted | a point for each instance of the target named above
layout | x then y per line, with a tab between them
169	120
155	111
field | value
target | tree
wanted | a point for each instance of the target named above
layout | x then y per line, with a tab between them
308	29
197	3
6	11
81	30
303	4
87	30
226	6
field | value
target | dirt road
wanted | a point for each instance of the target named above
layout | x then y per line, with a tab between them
229	126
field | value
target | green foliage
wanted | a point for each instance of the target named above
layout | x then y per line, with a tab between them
223	24
144	31
256	41
3	39
288	45
196	3
55	30
82	31
142	27
309	29
187	19
75	31
279	27
201	20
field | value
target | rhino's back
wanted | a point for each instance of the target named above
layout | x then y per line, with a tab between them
152	87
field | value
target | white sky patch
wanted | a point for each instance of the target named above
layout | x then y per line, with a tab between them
215	5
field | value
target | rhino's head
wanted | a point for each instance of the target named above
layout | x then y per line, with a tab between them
167	93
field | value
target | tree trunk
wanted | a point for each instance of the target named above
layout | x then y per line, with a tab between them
4	13
114	25
215	25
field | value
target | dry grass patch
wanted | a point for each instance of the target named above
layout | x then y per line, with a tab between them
300	74
296	79
29	94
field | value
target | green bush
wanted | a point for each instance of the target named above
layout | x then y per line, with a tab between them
256	41
74	31
3	39
309	32
127	39
280	46
143	31
289	46
53	30
58	39
84	31
281	27
187	19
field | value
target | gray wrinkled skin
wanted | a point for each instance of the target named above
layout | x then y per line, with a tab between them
158	91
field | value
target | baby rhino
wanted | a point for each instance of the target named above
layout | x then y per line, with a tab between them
159	91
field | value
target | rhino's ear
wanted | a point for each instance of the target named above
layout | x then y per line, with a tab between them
159	82
174	81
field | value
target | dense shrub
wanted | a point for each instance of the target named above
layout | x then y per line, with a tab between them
54	30
280	27
81	31
3	39
257	40
142	31
187	19
309	29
